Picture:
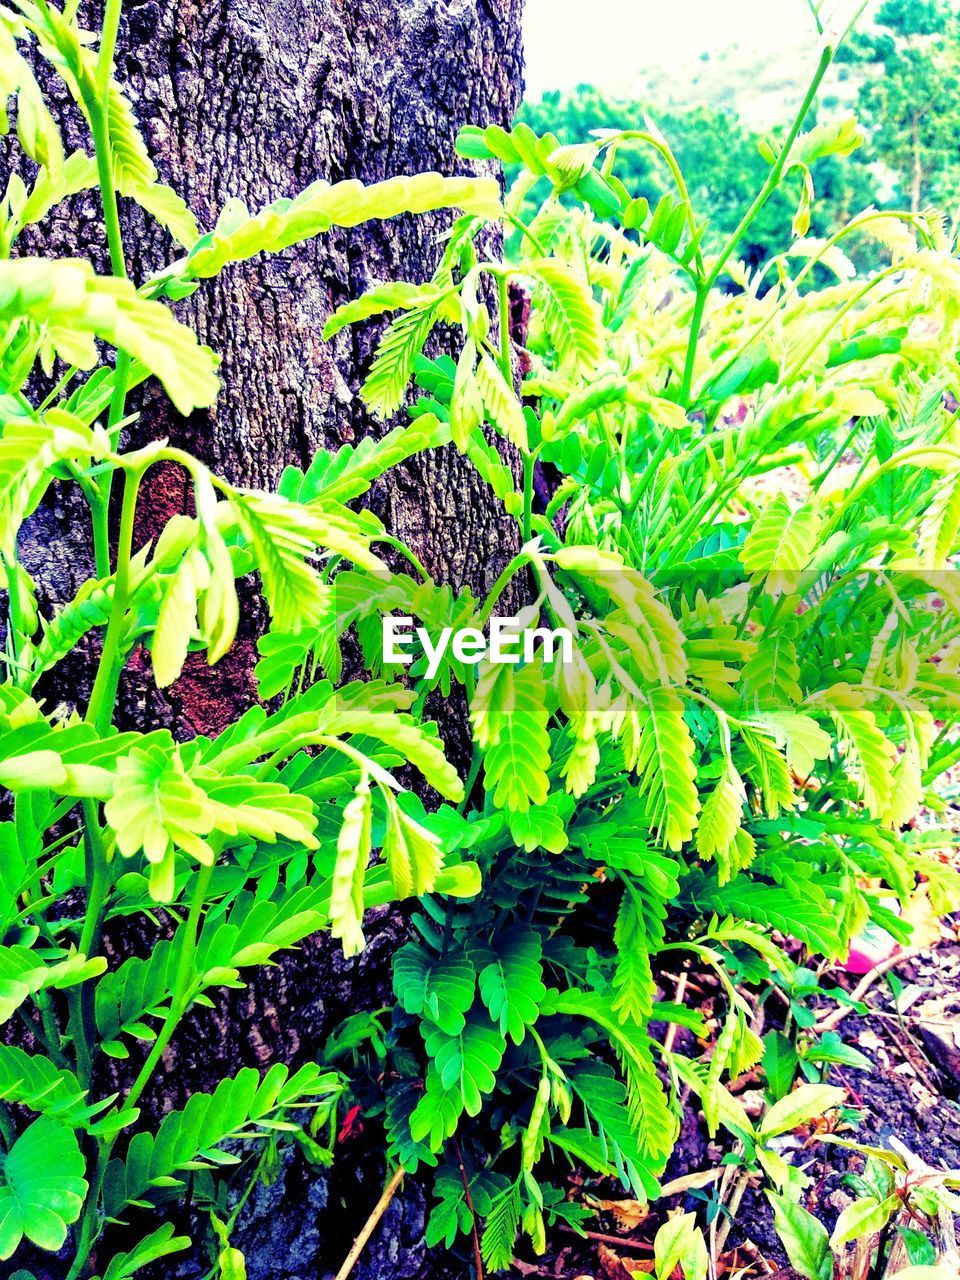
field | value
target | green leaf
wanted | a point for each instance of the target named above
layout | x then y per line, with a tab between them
285	537
680	1243
781	544
415	741
239	235
349	473
862	1219
802	738
920	1249
158	1244
805	1103
436	1115
648	1111
77	307
353	855
804	1238
721	818
510	977
36	1083
395	296
42	1187
191	1138
467	1062
569	313
633	981
517	759
24	972
177	619
411	852
838	137
504	409
164	204
779	1063
157	808
800	910
500	1229
617	1148
862	739
402	341
29	450
657	744
438	988
402	1100
543	827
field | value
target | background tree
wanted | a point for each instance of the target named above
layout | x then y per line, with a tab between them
910	104
721	157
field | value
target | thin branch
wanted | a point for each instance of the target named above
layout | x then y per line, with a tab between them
863	986
477	1256
379	1209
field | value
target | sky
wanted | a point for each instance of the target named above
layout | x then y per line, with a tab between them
607	42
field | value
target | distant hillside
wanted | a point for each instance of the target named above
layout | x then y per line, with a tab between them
761	86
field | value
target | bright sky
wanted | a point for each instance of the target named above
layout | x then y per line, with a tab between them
606	42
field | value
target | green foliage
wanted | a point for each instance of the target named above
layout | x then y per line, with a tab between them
747	720
721	159
733	472
251	841
43	1187
911	102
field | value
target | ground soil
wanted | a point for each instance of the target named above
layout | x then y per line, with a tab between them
911	1094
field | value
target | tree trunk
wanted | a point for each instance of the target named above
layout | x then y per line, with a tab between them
257	100
916	179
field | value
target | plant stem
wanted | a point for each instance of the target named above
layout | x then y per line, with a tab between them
503	304
180	1002
82	1007
477	1258
182	994
696	323
763	195
402	549
379	1209
100	516
104	695
528	465
98	108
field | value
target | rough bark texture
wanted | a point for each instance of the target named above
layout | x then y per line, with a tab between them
257	98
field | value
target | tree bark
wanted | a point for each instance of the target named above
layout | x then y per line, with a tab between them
256	100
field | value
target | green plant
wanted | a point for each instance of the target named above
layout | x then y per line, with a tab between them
240	839
744	728
724	162
900	1204
749	719
910	102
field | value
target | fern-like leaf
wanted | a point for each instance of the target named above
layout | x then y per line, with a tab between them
510	977
467	1062
657	744
191	1139
516	763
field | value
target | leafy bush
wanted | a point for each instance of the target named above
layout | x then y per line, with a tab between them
724	162
738	743
223	832
748	725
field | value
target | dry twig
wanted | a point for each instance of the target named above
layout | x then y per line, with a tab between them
379	1209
